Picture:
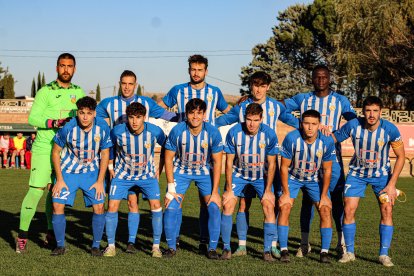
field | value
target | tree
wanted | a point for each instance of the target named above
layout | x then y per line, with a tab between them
139	90
8	86
33	90
98	93
43	80
39	81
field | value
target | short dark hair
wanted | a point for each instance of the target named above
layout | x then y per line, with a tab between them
86	102
136	109
197	59
66	56
254	109
194	104
320	67
311	113
127	73
260	78
371	100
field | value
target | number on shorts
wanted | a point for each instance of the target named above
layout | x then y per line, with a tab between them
347	186
112	190
64	195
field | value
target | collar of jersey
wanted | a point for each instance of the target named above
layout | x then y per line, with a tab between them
54	85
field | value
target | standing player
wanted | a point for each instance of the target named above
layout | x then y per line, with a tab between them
53	106
133	152
19	149
113	110
179	95
6	145
190	149
331	106
251	149
303	153
372	138
80	157
273	110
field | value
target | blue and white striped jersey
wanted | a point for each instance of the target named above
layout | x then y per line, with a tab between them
307	158
193	153
114	108
80	149
371	157
250	161
134	154
273	110
182	93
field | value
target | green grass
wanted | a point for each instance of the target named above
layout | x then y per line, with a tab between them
13	186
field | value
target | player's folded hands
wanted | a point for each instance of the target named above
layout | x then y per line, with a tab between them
325	201
99	190
227	196
169	196
269	196
215	197
284	199
58	187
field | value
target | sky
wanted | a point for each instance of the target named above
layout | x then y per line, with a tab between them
153	38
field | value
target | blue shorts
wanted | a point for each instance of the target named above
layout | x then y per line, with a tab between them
120	188
337	177
239	184
355	186
203	183
310	187
136	191
75	182
250	192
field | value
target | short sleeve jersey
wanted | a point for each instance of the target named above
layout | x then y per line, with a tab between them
81	150
135	152
371	157
193	153
307	158
180	95
251	151
52	102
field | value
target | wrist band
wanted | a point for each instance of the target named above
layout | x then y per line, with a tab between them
171	187
111	167
169	196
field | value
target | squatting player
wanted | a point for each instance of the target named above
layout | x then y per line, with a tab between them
113	110
133	151
53	106
179	95
331	106
251	149
191	147
372	138
80	157
273	111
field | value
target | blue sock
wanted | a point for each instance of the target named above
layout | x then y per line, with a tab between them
283	232
204	218
133	225
306	213
326	237
226	225
156	226
385	238
170	223
179	221
214	221
269	233
111	222
349	236
98	224
241	225
59	227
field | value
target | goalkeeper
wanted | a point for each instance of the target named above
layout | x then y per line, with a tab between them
53	106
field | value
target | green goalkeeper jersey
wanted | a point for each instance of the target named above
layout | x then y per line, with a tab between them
52	102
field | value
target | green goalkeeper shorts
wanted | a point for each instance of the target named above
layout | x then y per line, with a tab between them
40	174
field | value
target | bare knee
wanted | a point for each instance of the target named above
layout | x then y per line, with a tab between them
98	208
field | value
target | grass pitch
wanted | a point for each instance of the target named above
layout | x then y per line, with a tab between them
13	187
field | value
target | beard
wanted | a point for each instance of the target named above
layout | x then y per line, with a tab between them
65	78
196	81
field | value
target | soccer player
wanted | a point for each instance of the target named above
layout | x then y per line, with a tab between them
190	149
28	155
54	105
133	152
331	106
19	150
179	95
372	138
273	111
6	144
251	149
304	152
113	110
80	157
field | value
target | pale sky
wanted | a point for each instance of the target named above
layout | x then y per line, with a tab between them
152	38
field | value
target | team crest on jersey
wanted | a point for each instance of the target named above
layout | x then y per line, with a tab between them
147	145
332	107
380	142
204	144
73	98
262	144
319	153
97	138
271	113
209	98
